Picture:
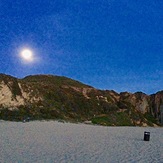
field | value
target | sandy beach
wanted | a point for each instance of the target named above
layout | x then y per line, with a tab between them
51	141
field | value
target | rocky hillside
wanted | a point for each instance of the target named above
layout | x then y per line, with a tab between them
55	97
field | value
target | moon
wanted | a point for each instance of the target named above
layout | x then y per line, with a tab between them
27	55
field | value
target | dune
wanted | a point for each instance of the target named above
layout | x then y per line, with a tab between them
51	141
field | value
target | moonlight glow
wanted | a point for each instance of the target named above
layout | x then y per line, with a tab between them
27	55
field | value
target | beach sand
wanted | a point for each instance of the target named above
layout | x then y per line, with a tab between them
52	141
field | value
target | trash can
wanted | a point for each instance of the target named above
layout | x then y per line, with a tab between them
146	136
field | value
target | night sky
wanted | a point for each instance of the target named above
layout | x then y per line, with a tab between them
108	44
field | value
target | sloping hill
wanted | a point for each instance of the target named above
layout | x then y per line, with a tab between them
54	80
55	97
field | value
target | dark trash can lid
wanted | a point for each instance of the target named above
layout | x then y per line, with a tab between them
147	133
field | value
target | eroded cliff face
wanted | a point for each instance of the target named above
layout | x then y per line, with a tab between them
13	95
139	100
145	103
7	98
156	101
